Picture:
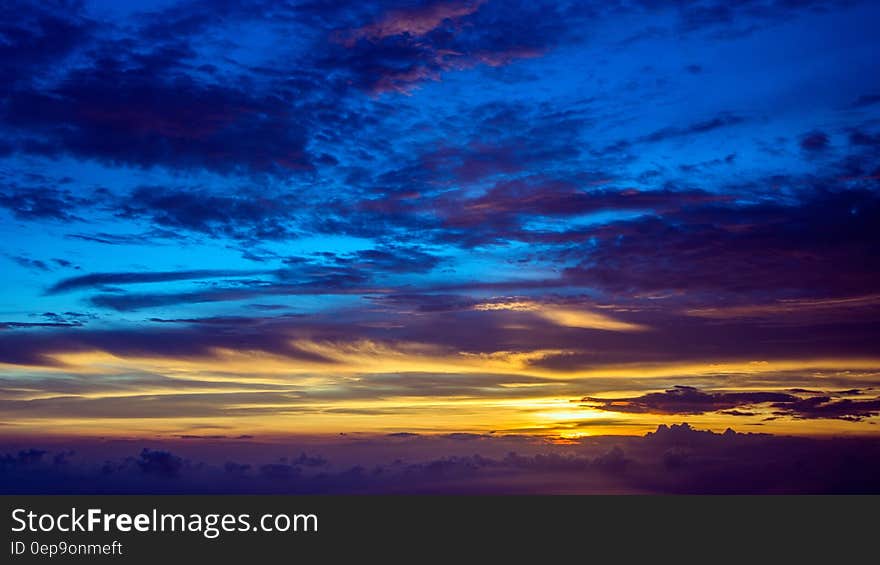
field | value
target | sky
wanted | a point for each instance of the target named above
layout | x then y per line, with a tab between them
545	220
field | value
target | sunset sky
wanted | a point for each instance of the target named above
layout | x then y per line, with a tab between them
540	218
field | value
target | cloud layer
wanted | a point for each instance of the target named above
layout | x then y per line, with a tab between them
671	460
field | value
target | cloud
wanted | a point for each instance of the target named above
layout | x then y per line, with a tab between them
98	280
819	246
129	99
861	138
568	316
324	273
31	264
139	113
507	210
161	463
866	100
37	37
796	310
382	259
41	203
181	342
126	96
675	459
416	21
14	325
24	458
240	216
131	302
736	20
815	141
723	120
405	48
826	407
687	400
510	204
64	394
330	282
151	237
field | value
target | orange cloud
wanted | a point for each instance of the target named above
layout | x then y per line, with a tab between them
564	315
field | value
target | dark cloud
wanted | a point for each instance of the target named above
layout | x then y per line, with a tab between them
866	100
53	320
737	413
38	36
823	245
151	237
321	274
278	472
140	113
505	210
64	263
815	141
731	20
396	260
41	203
237	469
426	302
686	400
328	282
24	458
93	280
861	138
14	325
184	341
822	407
309	460
508	205
131	302
723	120
161	463
31	264
358	264
241	216
129	98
